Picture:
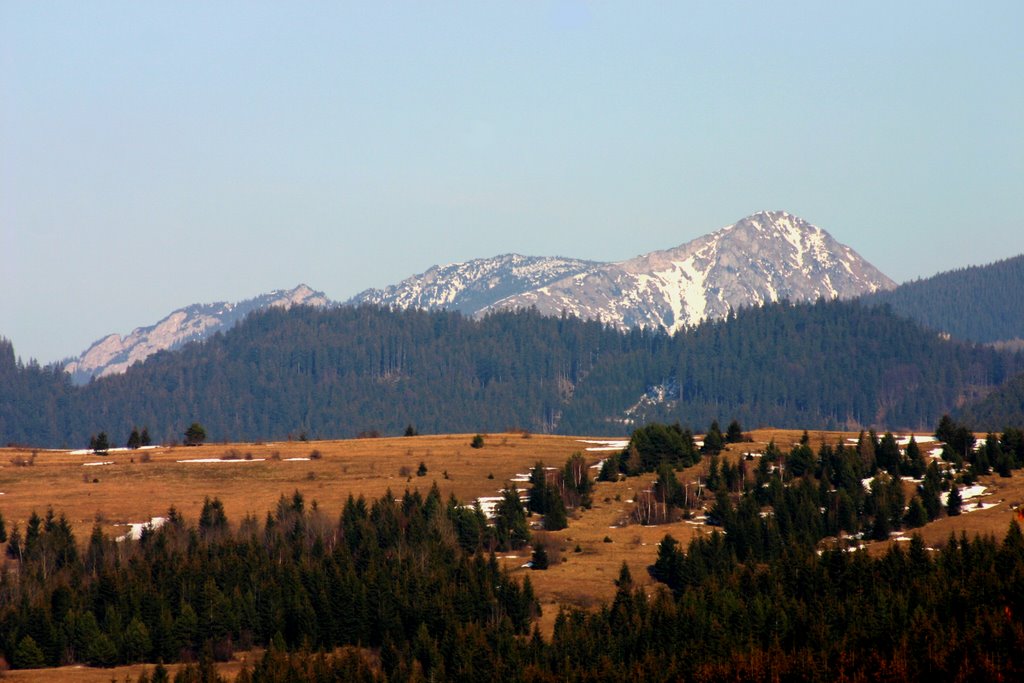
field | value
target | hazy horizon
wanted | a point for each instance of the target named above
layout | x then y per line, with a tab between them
155	156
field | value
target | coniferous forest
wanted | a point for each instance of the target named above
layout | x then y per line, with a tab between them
351	370
409	589
979	303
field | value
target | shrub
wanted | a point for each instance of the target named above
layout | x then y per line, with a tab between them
477	442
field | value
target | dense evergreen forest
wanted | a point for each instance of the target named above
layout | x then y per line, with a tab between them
1004	406
980	304
351	370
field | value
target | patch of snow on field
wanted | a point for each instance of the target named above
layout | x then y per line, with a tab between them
294	459
966	494
605	444
221	460
135	533
97	464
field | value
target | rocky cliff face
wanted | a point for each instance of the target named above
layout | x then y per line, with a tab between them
114	354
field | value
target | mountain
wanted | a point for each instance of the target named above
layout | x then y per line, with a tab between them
981	303
766	257
475	285
113	354
769	256
336	372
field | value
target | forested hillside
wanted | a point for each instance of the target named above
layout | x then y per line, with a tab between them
981	303
337	373
1002	408
829	364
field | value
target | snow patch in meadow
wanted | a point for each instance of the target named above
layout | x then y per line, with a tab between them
97	464
293	459
135	532
221	460
966	494
605	444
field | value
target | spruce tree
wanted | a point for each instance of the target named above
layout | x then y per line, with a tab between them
954	502
539	560
916	515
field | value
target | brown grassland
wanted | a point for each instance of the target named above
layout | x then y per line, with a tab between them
586	559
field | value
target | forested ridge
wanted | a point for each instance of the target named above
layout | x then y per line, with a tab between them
980	303
351	370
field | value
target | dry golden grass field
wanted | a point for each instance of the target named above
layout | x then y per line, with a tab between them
588	555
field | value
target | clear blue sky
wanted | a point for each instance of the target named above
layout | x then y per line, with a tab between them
154	155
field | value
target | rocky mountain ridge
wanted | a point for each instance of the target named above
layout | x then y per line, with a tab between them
114	353
766	257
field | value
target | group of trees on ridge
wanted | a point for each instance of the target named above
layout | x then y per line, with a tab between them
340	372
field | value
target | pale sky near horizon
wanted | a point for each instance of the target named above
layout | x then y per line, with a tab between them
155	155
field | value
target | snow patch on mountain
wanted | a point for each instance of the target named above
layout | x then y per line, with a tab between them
472	286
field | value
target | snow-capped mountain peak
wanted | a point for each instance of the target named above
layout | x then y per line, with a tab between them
765	257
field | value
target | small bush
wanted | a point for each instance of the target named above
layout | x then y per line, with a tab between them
607	539
315	454
145	457
232	454
248	455
477	442
275	455
405	471
421	471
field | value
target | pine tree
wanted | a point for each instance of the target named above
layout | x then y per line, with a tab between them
134	440
916	515
734	433
954	502
28	655
195	435
99	443
539	560
714	441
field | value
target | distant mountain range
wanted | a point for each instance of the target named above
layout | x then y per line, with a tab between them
766	257
113	354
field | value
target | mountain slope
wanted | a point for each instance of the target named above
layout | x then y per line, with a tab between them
475	285
980	303
766	257
114	354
